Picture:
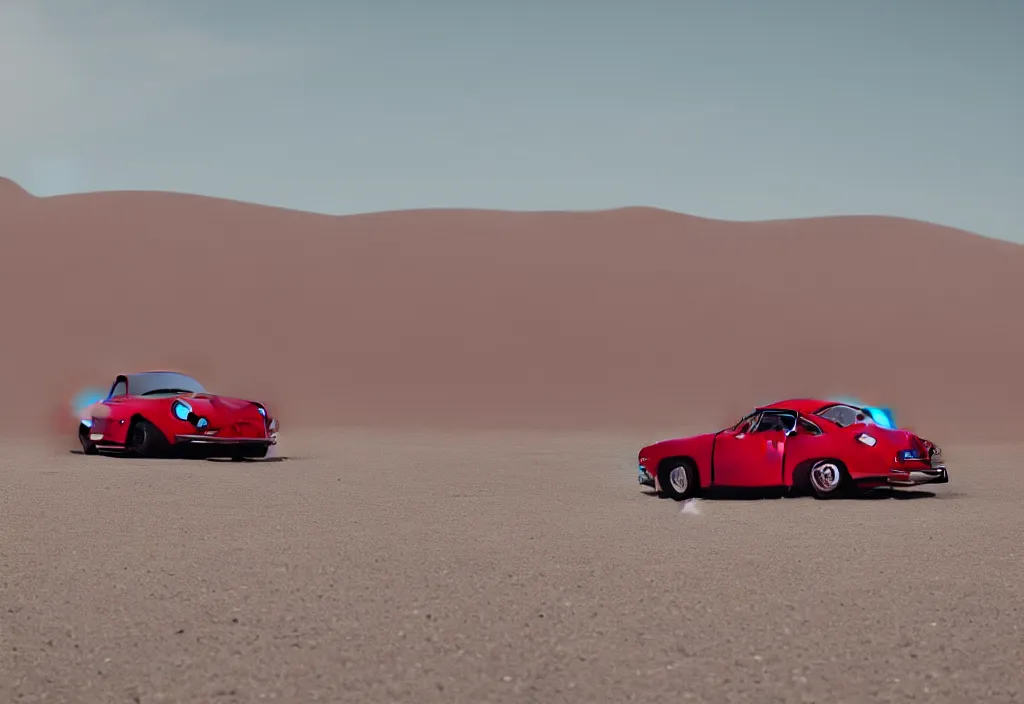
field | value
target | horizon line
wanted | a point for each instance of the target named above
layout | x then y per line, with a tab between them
504	211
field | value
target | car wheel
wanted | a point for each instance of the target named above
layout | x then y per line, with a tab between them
145	440
677	479
827	479
88	446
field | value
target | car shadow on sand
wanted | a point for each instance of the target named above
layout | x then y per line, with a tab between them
247	460
879	494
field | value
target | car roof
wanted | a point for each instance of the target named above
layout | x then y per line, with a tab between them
156	373
140	382
806	406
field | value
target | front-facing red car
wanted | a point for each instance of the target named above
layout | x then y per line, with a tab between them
161	413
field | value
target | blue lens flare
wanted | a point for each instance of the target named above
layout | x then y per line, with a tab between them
882	416
85	398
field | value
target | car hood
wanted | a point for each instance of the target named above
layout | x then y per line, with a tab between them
217	408
669	443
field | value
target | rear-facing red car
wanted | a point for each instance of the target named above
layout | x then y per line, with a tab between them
829	448
162	413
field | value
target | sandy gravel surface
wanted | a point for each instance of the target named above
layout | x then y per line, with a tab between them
376	566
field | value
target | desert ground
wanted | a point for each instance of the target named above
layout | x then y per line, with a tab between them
501	566
452	514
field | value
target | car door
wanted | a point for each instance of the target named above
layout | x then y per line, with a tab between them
751	456
808	443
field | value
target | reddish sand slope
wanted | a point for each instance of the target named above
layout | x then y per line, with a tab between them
626	317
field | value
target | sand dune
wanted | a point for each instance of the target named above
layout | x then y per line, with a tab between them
632	317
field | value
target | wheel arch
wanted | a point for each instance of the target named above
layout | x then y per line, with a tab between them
137	416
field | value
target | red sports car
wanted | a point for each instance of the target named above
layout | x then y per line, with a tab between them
161	413
827	447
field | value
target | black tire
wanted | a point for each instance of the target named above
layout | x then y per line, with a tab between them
145	440
677	479
828	479
88	446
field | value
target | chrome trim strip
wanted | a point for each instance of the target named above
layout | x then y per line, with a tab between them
214	440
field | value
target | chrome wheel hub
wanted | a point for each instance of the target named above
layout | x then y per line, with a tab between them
678	479
825	477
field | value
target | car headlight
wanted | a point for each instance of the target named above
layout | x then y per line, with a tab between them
866	439
181	409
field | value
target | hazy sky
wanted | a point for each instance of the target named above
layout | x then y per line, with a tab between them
738	109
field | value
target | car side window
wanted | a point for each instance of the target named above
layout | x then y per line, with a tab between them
842	416
808	427
775	421
120	389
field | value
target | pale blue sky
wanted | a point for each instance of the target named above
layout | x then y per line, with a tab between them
740	109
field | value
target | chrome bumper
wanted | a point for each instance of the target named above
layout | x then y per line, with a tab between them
215	440
915	477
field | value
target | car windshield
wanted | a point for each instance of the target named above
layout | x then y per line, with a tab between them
162	383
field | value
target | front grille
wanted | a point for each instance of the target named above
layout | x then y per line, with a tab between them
246	429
